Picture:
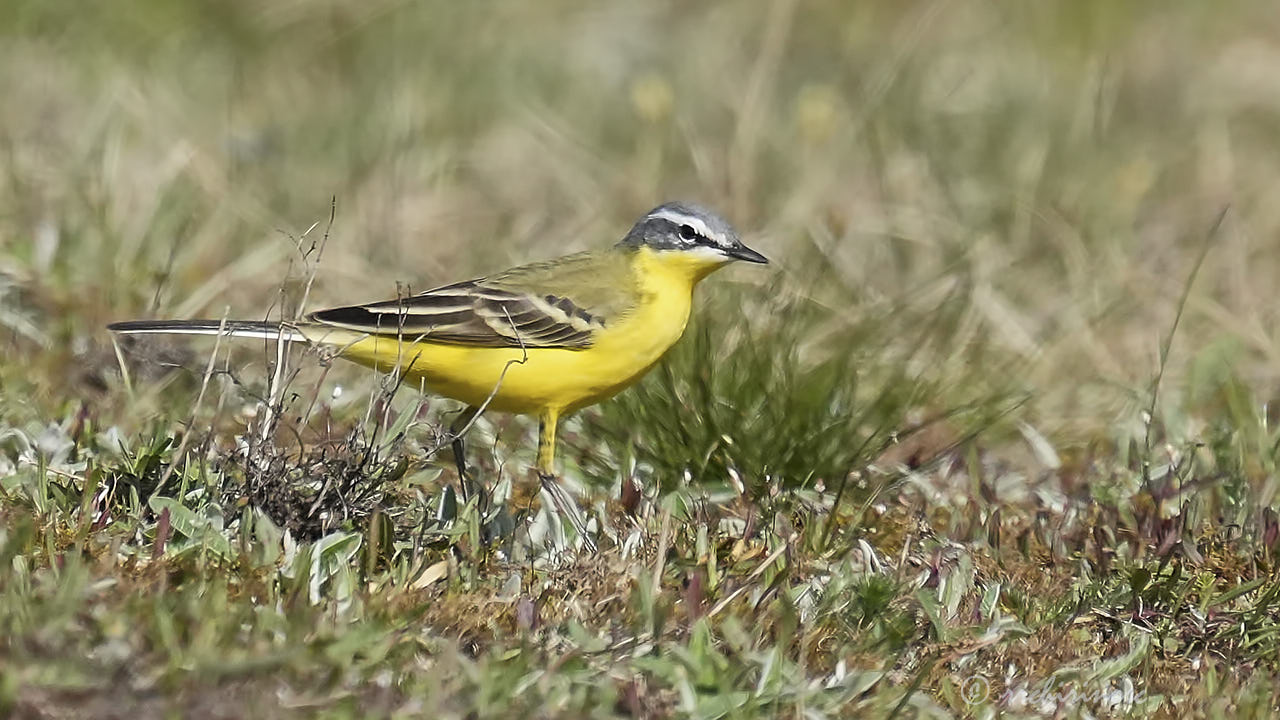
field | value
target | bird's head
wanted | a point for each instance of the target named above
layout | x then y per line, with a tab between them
690	235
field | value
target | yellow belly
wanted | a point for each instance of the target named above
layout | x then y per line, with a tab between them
542	379
523	381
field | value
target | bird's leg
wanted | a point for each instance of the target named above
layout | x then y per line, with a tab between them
565	504
547	443
457	429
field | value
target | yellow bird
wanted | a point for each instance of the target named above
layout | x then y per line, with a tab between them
543	339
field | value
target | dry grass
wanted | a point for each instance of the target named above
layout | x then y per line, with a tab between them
919	452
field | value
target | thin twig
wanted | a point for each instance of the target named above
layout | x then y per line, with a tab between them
124	368
524	357
1168	344
319	250
659	563
747	585
204	384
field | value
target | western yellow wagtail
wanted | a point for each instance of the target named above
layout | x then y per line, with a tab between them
543	339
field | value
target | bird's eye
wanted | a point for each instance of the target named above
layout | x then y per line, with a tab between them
688	233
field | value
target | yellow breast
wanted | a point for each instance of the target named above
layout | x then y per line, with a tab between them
542	379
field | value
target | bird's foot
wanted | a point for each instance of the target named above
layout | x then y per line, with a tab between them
567	508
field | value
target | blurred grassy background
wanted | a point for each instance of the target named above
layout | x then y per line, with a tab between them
981	208
1061	161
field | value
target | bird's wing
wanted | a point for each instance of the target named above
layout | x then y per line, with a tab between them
557	304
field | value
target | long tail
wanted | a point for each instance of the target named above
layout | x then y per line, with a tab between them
231	328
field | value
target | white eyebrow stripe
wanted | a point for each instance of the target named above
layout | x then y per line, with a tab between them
694	222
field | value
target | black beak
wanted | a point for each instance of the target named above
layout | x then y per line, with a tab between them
742	252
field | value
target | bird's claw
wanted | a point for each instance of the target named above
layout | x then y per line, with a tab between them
567	507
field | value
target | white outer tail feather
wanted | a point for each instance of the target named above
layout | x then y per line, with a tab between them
229	328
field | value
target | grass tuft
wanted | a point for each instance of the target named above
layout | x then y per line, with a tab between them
994	434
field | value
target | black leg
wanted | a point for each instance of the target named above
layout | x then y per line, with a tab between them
457	429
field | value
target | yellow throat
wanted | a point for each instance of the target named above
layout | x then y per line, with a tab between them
537	380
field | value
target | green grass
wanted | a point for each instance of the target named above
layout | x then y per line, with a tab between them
920	466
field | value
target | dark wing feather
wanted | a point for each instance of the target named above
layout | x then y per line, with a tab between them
473	313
